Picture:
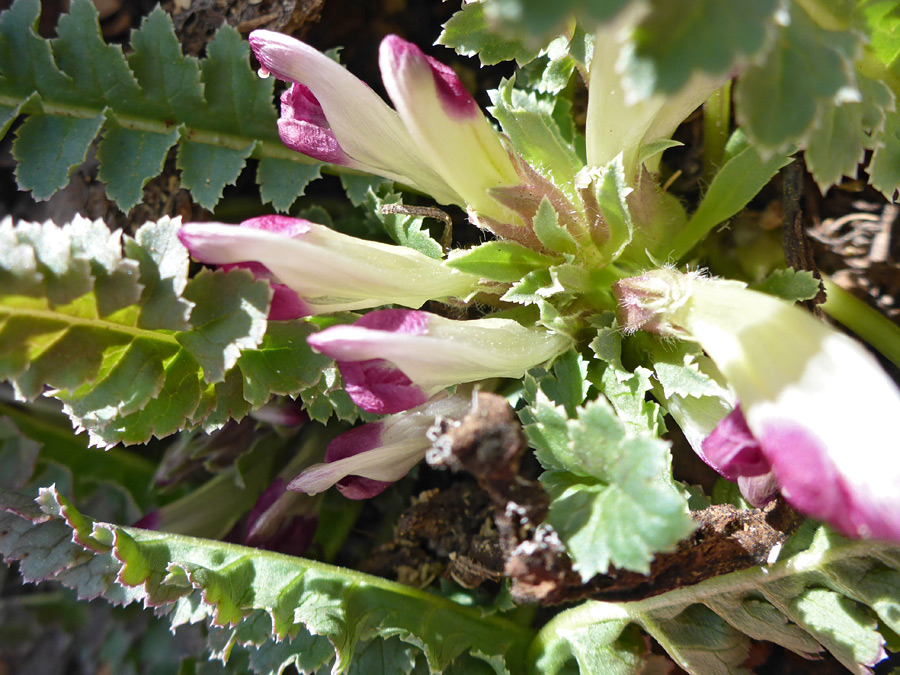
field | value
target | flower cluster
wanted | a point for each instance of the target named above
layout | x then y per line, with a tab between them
826	453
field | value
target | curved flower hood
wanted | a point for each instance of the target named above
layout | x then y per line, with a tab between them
327	271
440	143
815	408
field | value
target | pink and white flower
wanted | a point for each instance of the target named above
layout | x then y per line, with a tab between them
440	143
815	408
364	461
317	270
392	360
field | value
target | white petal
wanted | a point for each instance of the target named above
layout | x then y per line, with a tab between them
329	270
369	132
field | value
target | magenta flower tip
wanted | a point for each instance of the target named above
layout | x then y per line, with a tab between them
349	444
377	386
150	521
278	224
397	54
732	450
303	128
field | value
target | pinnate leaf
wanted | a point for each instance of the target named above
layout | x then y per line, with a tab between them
815	597
613	499
133	348
257	598
613	505
75	88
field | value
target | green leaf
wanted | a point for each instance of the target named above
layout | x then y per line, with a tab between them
406	230
329	398
164	265
701	641
218	109
78	315
235	97
546	428
791	285
26	61
499	261
282	181
627	390
809	599
48	149
533	287
539	19
229	316
281	361
884	167
549	232
129	158
357	186
836	145
207	169
679	38
469	34
808	69
611	190
680	375
732	188
98	70
269	597
614	506
528	121
169	80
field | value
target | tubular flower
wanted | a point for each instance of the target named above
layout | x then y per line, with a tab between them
615	124
441	142
392	359
281	521
364	461
318	270
816	410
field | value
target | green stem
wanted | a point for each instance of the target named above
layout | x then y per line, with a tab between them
716	129
869	324
94	323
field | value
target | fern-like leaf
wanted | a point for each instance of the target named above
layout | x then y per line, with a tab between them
823	593
76	87
284	610
131	346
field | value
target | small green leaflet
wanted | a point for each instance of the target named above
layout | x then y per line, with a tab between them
613	499
808	69
528	121
469	34
791	285
505	261
549	231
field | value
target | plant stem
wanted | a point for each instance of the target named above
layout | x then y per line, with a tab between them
867	323
716	129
